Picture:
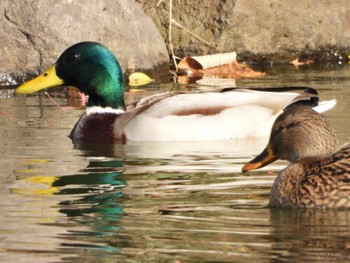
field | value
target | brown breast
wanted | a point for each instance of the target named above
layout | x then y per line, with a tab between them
95	127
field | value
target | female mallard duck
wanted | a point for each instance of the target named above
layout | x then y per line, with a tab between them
175	116
319	173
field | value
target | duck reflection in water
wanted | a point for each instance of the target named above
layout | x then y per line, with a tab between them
310	235
101	185
97	189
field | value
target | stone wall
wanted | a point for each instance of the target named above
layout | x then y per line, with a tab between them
268	29
35	32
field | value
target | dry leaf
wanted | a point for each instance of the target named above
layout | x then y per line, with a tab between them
189	65
210	61
75	97
234	70
297	62
224	64
139	79
216	81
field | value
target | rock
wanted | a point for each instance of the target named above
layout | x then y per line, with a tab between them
36	32
271	29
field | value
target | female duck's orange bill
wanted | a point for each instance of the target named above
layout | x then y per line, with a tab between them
266	157
48	79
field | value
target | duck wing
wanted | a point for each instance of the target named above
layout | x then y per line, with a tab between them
197	116
204	115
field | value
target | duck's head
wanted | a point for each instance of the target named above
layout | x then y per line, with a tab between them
298	134
89	66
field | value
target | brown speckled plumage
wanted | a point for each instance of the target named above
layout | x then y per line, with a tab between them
318	175
318	183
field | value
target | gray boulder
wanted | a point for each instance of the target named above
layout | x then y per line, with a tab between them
35	32
268	29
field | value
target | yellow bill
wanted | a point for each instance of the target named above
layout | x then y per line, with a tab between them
48	79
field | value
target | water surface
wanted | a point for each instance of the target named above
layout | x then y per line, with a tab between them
156	202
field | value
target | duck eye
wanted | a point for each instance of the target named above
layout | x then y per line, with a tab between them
280	128
284	127
73	57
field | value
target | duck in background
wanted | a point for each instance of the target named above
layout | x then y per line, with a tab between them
170	116
319	173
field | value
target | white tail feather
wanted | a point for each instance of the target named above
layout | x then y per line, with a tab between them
325	105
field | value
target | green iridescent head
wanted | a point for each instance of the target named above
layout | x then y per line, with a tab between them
89	66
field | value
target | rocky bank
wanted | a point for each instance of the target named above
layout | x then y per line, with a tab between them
35	32
259	30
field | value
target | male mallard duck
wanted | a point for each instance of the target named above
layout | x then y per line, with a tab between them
175	116
319	173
